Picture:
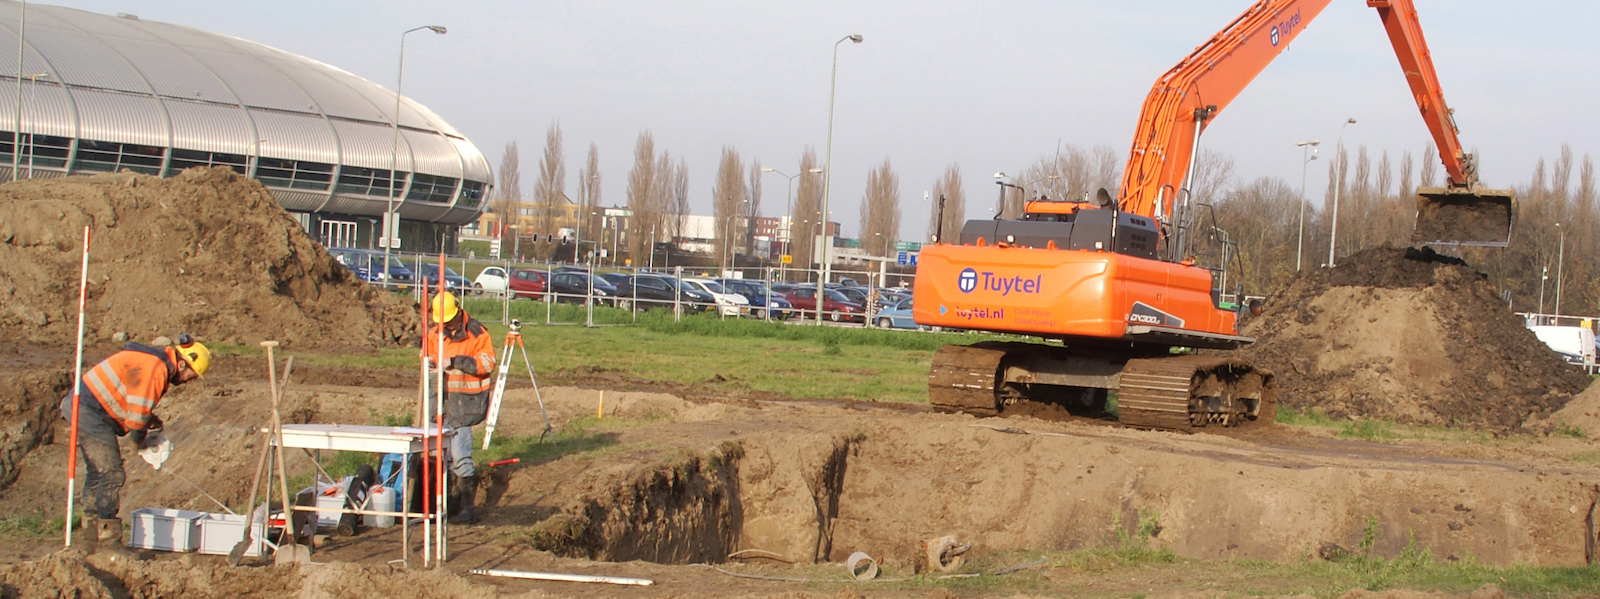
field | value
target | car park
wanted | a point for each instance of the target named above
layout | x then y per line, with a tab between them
896	316
648	291
763	303
835	306
728	303
574	286
528	284
367	265
453	282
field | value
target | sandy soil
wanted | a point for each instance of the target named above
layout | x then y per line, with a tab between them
800	485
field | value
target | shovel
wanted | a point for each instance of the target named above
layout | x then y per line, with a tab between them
1471	215
289	551
236	555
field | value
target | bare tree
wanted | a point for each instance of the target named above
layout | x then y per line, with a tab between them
508	193
1260	218
589	195
880	210
752	206
949	208
1430	168
680	195
804	223
549	191
727	193
661	199
641	178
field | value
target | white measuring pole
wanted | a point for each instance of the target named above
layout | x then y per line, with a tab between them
77	381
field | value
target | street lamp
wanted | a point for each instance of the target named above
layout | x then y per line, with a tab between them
1306	156
390	223
33	82
788	204
1560	260
827	165
1338	162
1544	275
16	131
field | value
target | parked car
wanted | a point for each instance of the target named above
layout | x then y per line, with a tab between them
526	284
573	287
492	280
614	278
367	264
729	303
854	294
897	316
763	303
453	282
662	291
835	306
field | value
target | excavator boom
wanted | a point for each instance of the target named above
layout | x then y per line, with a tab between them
1183	101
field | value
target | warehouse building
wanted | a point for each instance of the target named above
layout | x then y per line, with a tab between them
107	93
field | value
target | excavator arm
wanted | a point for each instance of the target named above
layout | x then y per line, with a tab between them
1188	96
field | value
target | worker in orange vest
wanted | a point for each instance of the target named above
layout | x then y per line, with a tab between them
468	363
118	398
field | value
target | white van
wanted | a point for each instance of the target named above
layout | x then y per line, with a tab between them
1575	344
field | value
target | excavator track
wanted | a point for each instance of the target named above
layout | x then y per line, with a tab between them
962	379
1177	393
1183	393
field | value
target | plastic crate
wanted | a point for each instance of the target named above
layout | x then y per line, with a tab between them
165	529
219	533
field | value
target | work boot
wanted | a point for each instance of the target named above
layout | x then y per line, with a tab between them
108	539
467	494
88	535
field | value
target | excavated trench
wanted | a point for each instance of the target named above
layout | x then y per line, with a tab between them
812	497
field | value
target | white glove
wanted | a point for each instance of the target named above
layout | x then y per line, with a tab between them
156	449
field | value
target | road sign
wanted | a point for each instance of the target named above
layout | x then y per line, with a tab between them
905	258
786	259
900	258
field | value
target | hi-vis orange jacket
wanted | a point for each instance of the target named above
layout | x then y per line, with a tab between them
131	382
471	341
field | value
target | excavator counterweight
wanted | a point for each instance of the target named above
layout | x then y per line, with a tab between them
1468	216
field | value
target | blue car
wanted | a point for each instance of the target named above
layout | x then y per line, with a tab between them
457	284
896	316
759	297
366	264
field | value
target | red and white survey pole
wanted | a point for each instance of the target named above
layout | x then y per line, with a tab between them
77	382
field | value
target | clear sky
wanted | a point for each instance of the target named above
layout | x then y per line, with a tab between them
992	86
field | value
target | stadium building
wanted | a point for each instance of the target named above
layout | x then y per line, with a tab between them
107	93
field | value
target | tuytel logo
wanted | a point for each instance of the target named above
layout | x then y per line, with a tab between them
967	281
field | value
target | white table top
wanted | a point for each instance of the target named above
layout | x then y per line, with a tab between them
356	437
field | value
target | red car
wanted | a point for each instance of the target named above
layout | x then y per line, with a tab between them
835	306
526	283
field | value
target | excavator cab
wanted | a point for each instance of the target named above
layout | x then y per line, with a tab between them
1471	215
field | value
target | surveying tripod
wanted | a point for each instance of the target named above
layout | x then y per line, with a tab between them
514	337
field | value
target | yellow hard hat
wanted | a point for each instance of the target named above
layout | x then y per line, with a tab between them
193	352
445	307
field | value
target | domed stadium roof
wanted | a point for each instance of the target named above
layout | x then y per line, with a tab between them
112	92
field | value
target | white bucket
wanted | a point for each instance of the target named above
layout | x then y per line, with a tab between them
379	499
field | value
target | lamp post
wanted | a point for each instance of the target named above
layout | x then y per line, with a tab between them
788	205
827	165
1544	275
1338	163
33	81
1306	156
389	218
16	131
1561	257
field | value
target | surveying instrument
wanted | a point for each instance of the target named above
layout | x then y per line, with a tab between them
514	337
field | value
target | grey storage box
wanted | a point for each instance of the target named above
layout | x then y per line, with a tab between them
165	530
220	532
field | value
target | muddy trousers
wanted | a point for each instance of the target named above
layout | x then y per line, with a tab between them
97	446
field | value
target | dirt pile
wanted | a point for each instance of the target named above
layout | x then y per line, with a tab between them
207	251
1409	336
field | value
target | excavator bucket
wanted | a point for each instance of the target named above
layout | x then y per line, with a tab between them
1471	216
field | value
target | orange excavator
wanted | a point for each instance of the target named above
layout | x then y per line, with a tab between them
1115	281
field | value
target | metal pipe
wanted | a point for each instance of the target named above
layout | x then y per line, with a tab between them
643	582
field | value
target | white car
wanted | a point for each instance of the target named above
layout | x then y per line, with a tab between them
728	303
492	280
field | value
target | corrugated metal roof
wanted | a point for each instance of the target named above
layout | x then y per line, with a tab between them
141	82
